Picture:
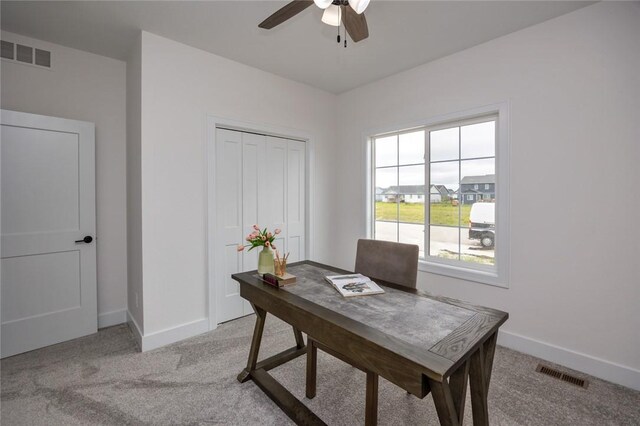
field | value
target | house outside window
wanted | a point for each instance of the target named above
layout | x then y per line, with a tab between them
456	163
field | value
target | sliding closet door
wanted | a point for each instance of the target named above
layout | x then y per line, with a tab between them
229	229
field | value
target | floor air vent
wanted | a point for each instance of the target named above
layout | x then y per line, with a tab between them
562	376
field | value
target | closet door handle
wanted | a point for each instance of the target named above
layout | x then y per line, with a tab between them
86	239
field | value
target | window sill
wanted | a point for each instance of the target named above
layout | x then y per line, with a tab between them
483	277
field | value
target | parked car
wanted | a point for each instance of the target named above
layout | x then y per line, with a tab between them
482	223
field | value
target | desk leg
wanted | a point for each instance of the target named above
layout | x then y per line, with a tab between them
480	376
312	365
445	406
458	384
299	338
261	315
371	410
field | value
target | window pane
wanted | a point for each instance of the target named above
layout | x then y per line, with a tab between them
411	208
412	234
386	151
387	231
478	180
411	148
442	193
411	179
444	144
387	178
387	210
444	242
478	140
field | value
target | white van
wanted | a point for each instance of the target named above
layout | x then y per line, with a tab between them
482	223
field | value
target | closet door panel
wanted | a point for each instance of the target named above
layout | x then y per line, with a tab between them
253	154
228	205
275	180
296	184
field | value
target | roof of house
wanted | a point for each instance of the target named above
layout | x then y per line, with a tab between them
441	189
479	179
414	189
404	189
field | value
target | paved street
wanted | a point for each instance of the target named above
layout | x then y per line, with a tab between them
442	238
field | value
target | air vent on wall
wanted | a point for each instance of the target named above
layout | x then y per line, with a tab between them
8	50
23	54
562	376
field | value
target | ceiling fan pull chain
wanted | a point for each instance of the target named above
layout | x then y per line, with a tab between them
338	38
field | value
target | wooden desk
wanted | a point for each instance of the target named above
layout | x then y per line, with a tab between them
420	342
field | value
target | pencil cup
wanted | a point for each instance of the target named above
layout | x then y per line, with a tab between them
280	266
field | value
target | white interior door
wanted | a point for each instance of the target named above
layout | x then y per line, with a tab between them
48	286
276	190
258	180
253	198
228	205
296	178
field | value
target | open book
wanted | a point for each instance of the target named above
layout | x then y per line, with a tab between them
353	285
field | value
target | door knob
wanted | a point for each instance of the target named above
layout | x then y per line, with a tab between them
86	239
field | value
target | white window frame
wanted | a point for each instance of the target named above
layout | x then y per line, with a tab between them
498	275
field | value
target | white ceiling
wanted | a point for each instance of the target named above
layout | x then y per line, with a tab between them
403	34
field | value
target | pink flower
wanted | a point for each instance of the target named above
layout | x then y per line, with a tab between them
273	246
256	227
262	237
269	235
267	244
240	247
277	231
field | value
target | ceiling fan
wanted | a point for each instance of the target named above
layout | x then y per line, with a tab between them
349	12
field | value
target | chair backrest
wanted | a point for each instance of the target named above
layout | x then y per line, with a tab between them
396	263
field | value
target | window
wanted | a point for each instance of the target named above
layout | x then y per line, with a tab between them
456	230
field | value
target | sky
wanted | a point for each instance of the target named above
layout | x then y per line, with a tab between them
447	166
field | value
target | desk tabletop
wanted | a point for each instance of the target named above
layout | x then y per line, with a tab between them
434	331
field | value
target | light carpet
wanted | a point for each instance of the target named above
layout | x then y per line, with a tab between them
103	380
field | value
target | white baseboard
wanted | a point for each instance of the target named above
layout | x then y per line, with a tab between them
108	319
606	370
135	329
174	334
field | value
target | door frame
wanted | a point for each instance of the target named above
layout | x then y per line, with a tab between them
212	123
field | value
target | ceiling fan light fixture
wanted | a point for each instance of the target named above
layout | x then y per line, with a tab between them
359	5
332	15
323	4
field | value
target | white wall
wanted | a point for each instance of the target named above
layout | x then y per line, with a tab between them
574	91
134	187
180	86
84	86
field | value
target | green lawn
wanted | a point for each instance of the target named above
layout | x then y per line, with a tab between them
441	213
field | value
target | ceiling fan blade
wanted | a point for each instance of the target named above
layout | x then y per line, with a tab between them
284	13
355	24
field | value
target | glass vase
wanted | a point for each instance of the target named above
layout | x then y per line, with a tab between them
265	262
